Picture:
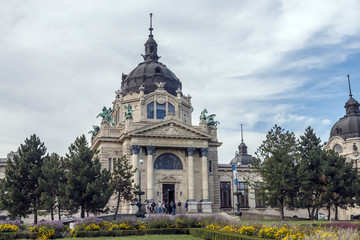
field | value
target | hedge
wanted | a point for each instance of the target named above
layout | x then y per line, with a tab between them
118	233
17	235
218	235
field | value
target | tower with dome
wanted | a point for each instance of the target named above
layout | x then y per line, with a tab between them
151	119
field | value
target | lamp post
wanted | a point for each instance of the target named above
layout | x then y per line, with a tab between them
238	194
140	212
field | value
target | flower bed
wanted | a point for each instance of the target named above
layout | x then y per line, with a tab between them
205	227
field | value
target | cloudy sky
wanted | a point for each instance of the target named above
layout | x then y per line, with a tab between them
256	63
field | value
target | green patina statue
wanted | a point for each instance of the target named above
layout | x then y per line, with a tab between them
211	121
203	115
95	130
106	115
128	112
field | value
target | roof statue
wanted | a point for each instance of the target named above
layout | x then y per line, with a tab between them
160	84
203	115
128	112
106	115
95	130
211	121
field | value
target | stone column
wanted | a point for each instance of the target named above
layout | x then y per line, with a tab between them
204	173
191	180
205	202
135	162
150	173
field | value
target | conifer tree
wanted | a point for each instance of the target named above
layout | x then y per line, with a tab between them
341	182
88	188
276	164
122	181
51	183
309	172
20	192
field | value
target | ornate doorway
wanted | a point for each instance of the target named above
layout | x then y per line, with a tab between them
169	194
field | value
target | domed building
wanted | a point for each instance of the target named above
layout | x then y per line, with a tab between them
345	140
151	120
345	133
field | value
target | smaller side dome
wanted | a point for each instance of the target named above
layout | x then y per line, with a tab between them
349	125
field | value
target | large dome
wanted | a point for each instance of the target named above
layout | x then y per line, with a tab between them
349	125
150	72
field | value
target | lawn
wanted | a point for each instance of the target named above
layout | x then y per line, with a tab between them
144	237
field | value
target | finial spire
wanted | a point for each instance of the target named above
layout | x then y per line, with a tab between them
348	76
151	28
242	139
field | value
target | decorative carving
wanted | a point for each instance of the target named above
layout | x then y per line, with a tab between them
150	150
160	84
135	149
204	152
190	151
161	99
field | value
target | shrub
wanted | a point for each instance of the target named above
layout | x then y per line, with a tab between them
159	221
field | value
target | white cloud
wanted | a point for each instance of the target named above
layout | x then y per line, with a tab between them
256	63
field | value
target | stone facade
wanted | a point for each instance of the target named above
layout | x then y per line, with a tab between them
165	140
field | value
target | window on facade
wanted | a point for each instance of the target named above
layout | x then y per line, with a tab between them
168	161
109	164
171	108
160	111
210	166
150	110
225	194
259	195
244	199
338	148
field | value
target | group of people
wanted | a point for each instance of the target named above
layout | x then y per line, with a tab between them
164	207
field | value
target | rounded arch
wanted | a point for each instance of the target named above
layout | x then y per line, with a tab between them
337	148
168	161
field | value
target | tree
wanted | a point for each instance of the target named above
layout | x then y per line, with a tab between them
309	172
341	182
51	183
276	165
87	187
20	192
122	181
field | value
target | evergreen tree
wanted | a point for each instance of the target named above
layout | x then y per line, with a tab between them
20	192
51	183
122	181
341	182
276	164
309	172
88	187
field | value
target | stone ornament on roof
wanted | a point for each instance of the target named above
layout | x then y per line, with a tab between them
106	115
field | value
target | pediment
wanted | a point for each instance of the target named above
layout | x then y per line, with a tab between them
168	179
171	129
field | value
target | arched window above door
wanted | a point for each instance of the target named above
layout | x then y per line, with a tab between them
168	161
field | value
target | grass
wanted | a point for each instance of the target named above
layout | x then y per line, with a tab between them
144	237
